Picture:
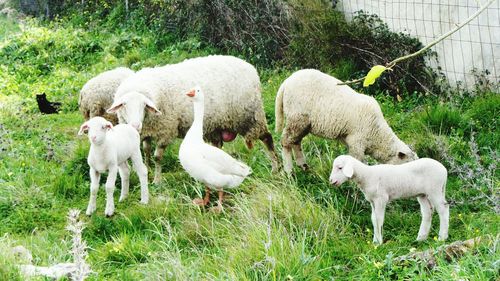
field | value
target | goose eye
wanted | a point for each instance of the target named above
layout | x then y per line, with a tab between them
340	168
104	127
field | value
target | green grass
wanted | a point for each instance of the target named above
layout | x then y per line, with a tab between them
7	27
274	227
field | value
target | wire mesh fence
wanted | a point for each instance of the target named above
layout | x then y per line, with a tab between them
474	48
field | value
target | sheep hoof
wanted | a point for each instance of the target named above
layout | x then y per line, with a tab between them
275	168
122	198
217	209
90	211
109	212
421	238
305	167
199	202
144	201
157	180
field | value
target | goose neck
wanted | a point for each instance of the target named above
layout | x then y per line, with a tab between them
196	129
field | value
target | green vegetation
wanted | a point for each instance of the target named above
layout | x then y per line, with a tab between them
274	227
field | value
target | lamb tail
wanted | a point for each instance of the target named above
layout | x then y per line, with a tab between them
278	110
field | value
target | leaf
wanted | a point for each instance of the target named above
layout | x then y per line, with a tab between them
373	74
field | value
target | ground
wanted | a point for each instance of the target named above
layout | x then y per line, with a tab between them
274	227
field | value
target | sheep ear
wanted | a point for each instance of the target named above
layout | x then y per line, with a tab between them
109	126
348	170
83	129
401	155
150	106
115	106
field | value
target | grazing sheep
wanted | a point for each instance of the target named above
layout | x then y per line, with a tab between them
233	103
110	148
313	103
97	94
424	178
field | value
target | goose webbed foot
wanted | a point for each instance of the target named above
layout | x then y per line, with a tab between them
203	201
219	209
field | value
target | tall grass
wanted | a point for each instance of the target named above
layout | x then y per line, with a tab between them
274	227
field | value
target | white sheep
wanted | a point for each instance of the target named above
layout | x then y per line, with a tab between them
424	178
312	102
233	103
98	93
110	148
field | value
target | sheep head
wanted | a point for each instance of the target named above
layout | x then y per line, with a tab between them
97	128
130	108
342	169
402	154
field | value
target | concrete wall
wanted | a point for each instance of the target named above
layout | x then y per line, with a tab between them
476	45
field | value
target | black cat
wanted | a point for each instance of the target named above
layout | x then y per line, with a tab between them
46	106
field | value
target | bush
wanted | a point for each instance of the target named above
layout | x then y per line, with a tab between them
324	37
291	33
257	30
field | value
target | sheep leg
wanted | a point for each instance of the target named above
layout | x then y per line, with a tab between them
356	147
216	141
287	159
203	201
300	159
95	177
444	217
378	212
160	149
217	144
267	139
124	171
374	222
110	189
442	208
426	210
142	173
296	129
146	145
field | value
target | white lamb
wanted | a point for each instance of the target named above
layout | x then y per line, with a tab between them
110	148
233	103
424	178
312	102
98	93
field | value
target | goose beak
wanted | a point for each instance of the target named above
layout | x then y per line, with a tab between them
190	94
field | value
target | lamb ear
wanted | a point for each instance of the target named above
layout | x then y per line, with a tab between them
109	126
115	106
348	170
83	128
150	106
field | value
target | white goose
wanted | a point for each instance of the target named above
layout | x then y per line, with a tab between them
206	163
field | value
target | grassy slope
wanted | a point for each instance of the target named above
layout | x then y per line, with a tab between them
273	228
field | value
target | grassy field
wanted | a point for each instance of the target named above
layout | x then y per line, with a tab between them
274	227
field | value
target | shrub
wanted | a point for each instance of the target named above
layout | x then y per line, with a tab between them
293	33
323	37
